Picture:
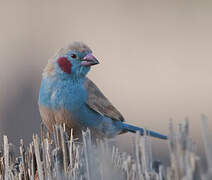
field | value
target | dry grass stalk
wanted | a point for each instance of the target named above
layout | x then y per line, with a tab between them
64	158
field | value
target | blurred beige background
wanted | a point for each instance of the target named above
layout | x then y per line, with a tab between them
156	59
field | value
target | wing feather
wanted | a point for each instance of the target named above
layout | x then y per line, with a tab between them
99	103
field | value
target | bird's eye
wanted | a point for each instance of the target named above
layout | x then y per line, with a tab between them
74	56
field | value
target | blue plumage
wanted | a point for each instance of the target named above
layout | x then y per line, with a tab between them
67	96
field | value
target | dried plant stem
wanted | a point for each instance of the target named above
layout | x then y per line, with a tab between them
63	158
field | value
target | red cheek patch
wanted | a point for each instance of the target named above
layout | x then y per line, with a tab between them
64	64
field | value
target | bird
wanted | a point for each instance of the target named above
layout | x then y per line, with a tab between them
67	96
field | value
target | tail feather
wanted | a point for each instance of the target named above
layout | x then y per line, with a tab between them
134	129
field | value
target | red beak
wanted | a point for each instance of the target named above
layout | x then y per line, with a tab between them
89	60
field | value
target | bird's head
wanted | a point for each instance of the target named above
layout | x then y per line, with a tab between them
73	60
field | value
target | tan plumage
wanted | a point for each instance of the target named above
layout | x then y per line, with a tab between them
99	103
60	116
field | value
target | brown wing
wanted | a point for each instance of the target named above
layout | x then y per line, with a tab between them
99	103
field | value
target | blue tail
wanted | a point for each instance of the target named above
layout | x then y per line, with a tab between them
134	129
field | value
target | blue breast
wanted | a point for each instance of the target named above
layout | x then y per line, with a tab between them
58	93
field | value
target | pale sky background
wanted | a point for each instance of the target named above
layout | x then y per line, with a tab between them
155	59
